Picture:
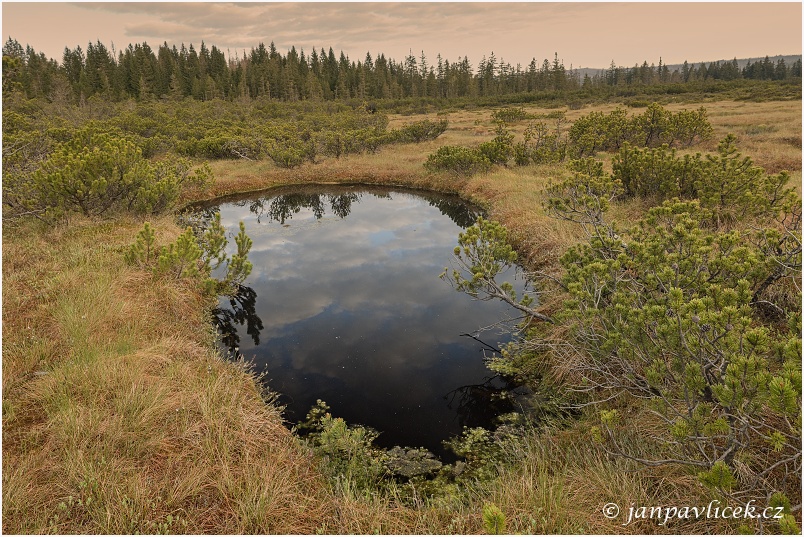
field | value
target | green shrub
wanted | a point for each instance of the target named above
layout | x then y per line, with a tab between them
214	145
420	131
655	127
238	267
23	154
585	196
167	179
180	259
493	520
665	313
495	152
728	183
332	144
143	251
673	312
499	149
657	172
287	155
588	134
539	146
458	160
509	114
97	173
346	452
689	127
734	188
191	256
93	174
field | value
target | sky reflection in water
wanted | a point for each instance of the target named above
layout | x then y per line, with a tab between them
345	304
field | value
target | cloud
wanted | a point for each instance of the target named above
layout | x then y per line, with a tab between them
355	28
377	267
583	33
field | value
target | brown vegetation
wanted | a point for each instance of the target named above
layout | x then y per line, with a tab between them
120	417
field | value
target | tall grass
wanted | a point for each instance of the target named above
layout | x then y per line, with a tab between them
118	416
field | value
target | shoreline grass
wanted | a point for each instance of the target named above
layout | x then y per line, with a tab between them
120	417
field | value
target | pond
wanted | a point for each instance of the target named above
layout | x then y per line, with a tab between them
345	304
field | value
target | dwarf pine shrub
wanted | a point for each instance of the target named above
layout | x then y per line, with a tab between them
509	114
420	131
727	182
97	173
463	161
655	127
191	256
493	520
666	313
673	312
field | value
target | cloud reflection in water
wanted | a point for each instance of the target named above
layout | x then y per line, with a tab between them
353	310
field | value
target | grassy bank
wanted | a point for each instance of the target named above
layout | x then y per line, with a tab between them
120	417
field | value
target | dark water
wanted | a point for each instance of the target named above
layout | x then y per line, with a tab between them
345	304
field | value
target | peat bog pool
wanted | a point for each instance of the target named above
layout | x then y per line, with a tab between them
345	304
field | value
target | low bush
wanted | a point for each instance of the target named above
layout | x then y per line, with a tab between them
420	131
499	149
458	160
669	313
192	256
287	155
97	173
727	182
509	114
657	172
540	146
656	126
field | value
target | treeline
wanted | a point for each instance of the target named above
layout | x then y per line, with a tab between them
140	72
649	74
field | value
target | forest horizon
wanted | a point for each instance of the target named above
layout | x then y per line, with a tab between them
138	71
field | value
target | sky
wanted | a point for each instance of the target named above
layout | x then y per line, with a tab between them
583	34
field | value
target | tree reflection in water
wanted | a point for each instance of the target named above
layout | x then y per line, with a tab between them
282	208
476	405
242	311
278	207
459	212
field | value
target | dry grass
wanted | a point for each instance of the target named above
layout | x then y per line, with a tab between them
562	482
118	417
116	412
769	132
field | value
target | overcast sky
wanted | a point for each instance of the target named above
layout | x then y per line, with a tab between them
583	34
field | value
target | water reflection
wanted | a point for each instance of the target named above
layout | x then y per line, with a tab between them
345	304
283	207
480	403
242	311
279	207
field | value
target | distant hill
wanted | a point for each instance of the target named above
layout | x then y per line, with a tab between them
788	59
